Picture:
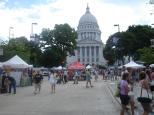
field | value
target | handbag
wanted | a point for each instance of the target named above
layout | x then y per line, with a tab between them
145	102
117	91
144	99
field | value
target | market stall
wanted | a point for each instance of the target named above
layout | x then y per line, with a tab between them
132	64
76	66
18	69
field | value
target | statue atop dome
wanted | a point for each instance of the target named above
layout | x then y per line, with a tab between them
87	9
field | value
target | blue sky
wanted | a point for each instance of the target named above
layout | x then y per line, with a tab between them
22	3
20	14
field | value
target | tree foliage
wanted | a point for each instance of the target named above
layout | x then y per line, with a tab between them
146	55
128	43
35	53
58	42
16	46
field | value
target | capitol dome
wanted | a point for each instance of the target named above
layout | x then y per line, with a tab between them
87	17
89	44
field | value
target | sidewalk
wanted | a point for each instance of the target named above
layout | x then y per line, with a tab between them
69	99
139	109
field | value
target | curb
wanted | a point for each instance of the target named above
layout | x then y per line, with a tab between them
111	91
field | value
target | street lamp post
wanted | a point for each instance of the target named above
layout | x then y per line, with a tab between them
32	34
32	28
10	28
118	27
114	48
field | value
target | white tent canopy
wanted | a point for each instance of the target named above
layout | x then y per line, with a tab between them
132	64
151	65
1	65
16	62
59	68
88	67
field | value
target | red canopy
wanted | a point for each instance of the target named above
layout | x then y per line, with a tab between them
76	65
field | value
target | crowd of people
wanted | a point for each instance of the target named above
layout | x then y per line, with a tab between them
128	79
144	79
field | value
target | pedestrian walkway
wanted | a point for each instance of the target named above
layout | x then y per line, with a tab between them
69	99
138	110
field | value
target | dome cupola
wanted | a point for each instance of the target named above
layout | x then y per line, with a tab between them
88	27
88	17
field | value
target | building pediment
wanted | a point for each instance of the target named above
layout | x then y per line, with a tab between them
89	41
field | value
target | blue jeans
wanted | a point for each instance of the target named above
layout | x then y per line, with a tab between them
12	85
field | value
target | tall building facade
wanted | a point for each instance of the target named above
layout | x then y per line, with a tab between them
89	45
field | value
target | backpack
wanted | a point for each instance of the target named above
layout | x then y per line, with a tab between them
38	78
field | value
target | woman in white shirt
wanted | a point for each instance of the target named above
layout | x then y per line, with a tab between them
53	82
144	85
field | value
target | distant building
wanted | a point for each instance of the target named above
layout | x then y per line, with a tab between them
89	45
152	43
35	38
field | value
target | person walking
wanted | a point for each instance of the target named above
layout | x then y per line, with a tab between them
7	84
124	90
96	75
144	85
65	76
111	74
53	82
88	79
4	85
37	82
12	83
76	77
152	74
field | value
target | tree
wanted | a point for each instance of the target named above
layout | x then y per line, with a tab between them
61	41
35	54
136	37
143	35
16	46
146	54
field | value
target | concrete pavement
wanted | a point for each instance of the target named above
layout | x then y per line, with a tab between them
69	99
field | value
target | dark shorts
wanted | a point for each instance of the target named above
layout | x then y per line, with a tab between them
124	99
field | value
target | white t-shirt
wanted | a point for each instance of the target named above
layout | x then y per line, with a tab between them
52	79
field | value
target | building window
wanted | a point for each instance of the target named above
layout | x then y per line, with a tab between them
78	51
78	59
97	51
83	60
92	51
88	51
87	59
92	59
83	51
97	59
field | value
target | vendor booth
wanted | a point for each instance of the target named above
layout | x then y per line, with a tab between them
132	64
151	65
18	69
76	66
89	67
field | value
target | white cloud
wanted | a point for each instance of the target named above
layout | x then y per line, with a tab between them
70	11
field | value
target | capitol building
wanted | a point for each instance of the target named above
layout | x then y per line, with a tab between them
89	44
